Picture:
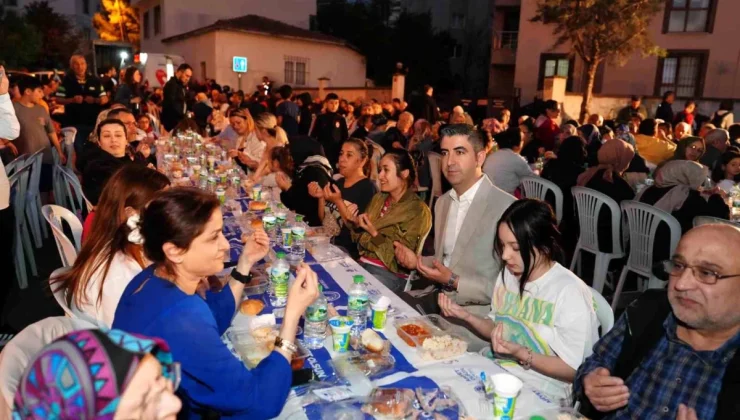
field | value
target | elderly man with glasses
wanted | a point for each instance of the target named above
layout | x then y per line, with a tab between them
673	355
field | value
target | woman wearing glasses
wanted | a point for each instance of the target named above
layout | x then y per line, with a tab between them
182	232
690	148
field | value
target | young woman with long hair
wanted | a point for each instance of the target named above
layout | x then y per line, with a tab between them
542	315
111	254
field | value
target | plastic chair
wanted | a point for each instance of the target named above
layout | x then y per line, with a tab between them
643	221
33	200
413	274
536	187
706	220
67	249
68	143
604	312
15	164
22	248
435	168
76	198
589	204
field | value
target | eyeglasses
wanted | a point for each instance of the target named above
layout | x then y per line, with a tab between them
703	275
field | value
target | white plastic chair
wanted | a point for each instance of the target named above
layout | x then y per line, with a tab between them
604	312
67	249
643	221
68	143
21	350
413	274
706	220
435	168
74	193
33	200
589	203
22	247
536	187
15	164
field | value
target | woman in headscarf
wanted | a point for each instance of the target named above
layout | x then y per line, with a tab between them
614	158
690	148
637	172
94	374
676	191
592	137
564	171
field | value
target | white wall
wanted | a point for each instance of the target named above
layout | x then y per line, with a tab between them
344	66
180	16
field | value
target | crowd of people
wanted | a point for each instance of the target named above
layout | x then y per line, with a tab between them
496	264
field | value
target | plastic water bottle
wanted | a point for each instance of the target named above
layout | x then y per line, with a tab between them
314	329
734	203
279	278
357	305
298	240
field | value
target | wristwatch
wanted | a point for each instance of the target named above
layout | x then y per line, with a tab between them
241	278
451	282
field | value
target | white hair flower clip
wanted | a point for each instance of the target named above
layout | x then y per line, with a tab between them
135	235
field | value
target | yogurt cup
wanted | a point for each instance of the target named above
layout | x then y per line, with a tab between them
281	216
257	192
221	194
380	313
506	387
340	328
268	222
287	238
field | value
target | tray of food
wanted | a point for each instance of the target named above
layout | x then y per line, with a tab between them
414	330
389	403
368	363
443	346
433	337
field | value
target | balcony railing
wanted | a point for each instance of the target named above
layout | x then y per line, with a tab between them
505	40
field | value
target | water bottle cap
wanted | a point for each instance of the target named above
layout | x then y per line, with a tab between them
280	254
321	288
298	218
358	279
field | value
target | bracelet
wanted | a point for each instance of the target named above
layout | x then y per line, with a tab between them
527	365
286	346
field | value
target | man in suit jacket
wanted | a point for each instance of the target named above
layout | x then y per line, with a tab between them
464	263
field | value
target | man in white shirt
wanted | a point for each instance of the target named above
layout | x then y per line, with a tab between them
465	224
10	129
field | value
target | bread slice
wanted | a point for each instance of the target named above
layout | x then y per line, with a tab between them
372	341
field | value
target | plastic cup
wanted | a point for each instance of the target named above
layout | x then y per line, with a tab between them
221	194
380	313
286	237
257	192
340	328
506	387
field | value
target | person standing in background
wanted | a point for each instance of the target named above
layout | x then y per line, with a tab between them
10	129
331	129
287	111
83	97
665	109
174	103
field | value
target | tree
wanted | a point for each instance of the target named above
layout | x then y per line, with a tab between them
117	21
600	31
21	42
59	37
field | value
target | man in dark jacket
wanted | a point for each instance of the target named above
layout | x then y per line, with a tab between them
174	103
665	109
331	129
674	356
428	109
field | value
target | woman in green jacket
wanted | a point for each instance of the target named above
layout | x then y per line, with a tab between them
396	213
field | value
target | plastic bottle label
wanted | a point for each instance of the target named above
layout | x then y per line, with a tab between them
298	233
357	303
279	278
316	313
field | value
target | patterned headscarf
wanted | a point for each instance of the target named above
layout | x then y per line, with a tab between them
83	375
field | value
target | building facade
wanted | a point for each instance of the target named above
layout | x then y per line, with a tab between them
469	23
702	60
286	54
161	19
79	12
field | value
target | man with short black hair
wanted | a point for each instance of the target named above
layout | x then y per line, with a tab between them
37	131
674	355
83	97
330	129
635	107
665	109
287	111
174	103
464	265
